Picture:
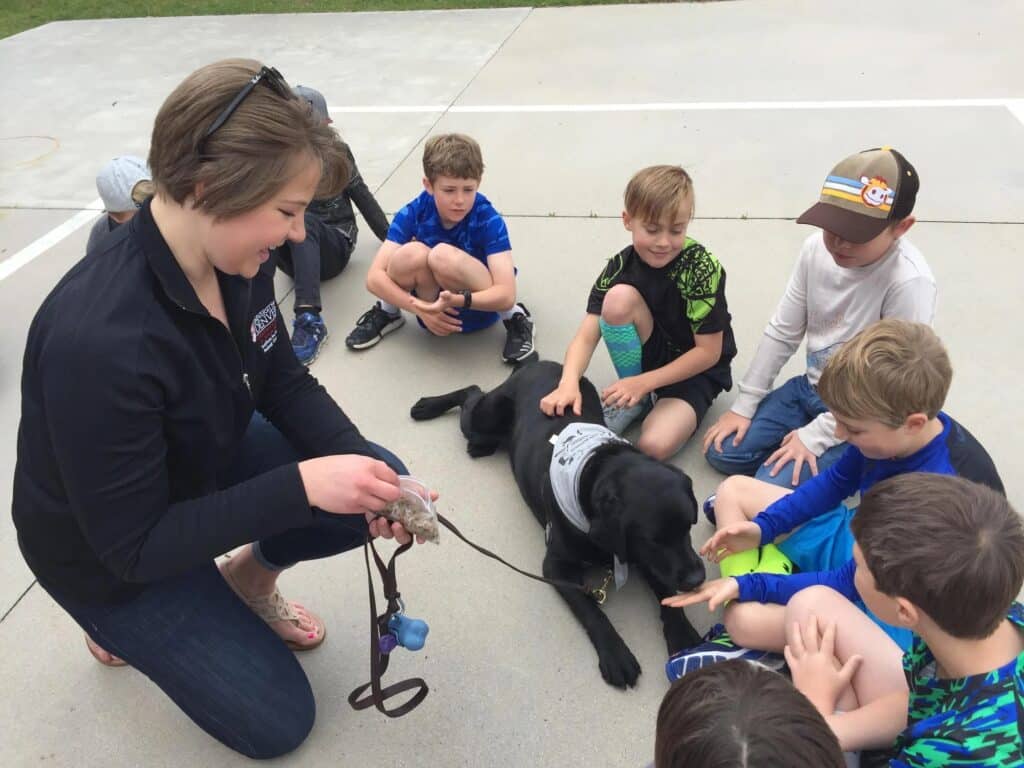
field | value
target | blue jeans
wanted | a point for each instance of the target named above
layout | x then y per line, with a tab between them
193	637
789	407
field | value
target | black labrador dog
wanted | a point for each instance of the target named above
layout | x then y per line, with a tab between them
640	510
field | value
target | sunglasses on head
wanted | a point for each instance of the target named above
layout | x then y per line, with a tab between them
268	76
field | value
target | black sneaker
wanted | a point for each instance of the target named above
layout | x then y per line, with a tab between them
518	336
372	326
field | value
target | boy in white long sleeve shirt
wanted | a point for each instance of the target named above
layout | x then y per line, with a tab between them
859	269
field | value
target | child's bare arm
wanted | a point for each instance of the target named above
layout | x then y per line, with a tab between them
501	294
577	358
873	726
383	287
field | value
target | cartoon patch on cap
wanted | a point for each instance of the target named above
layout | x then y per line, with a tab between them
876	192
873	192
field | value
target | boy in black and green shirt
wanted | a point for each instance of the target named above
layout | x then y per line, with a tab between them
660	307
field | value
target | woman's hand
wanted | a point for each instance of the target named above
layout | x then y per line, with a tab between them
381	527
349	484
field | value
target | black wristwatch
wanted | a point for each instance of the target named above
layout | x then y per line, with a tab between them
467	298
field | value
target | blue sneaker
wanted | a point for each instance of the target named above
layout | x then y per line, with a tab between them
308	335
718	646
708	506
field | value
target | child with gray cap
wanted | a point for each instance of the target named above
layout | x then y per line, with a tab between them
330	238
124	183
858	269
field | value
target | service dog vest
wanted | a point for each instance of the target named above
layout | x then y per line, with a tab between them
574	446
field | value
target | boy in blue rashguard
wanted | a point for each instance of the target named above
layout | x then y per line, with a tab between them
447	258
886	387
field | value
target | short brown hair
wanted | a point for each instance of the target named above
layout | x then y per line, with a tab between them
250	157
952	547
658	192
741	715
887	372
452	154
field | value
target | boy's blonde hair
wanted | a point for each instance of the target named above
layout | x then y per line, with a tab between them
888	371
262	145
658	192
452	154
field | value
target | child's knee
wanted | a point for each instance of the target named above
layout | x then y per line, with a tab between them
620	303
443	261
657	446
408	257
733	490
740	624
817	600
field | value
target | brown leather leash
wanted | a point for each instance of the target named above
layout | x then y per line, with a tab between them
379	625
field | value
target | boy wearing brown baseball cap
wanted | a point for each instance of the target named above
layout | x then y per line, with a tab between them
858	269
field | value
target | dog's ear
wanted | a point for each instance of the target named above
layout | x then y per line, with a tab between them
606	524
690	498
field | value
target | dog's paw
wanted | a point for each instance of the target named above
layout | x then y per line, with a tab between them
428	408
619	666
477	448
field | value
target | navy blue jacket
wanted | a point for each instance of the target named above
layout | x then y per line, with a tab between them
134	403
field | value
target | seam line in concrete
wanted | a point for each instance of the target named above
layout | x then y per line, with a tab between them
15	604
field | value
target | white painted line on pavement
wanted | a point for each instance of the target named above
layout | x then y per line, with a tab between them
682	106
1015	106
12	264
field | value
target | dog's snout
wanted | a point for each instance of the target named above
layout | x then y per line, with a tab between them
693	577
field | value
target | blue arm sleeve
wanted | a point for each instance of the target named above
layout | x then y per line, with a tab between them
815	497
778	588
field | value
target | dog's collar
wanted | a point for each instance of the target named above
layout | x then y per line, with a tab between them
573	448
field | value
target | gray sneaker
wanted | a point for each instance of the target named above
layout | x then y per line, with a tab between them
618	419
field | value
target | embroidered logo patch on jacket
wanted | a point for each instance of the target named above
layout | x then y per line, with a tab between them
264	327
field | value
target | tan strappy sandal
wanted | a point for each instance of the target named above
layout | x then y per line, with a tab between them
273	607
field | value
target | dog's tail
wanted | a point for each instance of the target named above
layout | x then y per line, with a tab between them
431	407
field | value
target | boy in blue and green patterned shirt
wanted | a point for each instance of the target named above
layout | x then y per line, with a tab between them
943	557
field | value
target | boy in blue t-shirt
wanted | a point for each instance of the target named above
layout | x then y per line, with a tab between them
447	258
886	387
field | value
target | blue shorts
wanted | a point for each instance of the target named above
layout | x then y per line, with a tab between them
472	320
823	543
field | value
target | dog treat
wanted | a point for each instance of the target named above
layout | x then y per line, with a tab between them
414	510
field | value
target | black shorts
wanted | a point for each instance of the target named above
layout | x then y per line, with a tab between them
699	391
